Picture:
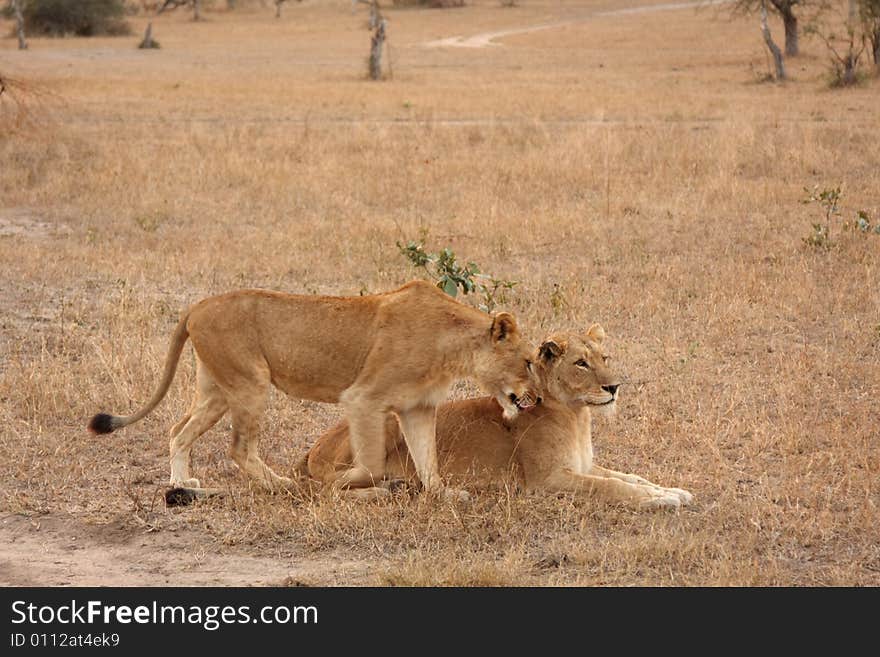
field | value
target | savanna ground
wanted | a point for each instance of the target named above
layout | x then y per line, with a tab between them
629	169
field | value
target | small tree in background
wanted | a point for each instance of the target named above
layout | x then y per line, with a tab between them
869	12
785	9
778	60
15	8
174	4
278	4
844	37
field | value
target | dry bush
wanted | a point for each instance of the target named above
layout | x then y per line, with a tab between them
80	18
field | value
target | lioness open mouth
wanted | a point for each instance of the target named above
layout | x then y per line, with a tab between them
523	403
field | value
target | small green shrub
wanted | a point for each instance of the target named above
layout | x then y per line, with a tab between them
829	200
443	268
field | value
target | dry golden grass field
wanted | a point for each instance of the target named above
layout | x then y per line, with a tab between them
628	168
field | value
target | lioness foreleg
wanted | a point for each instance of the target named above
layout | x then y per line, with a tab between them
685	496
610	489
419	426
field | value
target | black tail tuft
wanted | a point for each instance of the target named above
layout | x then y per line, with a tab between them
179	497
101	423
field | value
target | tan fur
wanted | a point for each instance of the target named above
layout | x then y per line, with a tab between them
547	448
394	352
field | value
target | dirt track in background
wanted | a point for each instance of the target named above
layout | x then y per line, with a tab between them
485	39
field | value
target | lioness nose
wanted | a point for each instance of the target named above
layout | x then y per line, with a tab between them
611	389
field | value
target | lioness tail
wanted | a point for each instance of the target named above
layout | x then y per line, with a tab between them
104	423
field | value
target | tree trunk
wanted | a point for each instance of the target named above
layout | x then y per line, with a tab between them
375	16
19	24
849	70
378	41
278	4
197	10
771	45
789	20
148	38
875	49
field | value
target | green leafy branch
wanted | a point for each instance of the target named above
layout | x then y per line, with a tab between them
451	276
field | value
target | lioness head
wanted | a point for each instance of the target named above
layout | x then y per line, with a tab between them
575	370
505	368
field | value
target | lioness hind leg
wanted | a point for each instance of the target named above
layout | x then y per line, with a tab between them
246	411
208	407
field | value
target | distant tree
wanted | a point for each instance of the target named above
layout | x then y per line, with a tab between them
377	42
278	4
15	5
174	4
845	38
785	8
869	11
778	60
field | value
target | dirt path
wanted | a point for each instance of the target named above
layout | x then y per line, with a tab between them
486	39
57	550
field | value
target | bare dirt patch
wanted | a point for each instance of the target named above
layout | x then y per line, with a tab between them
27	222
54	550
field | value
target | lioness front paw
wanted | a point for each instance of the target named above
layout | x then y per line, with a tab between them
686	497
280	484
455	495
192	482
659	498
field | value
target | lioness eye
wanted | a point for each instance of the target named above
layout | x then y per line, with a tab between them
583	363
529	365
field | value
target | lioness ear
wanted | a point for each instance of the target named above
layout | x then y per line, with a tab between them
503	326
550	350
596	333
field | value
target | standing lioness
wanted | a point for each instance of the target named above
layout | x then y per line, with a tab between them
397	351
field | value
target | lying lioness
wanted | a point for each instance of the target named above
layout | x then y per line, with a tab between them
547	448
395	352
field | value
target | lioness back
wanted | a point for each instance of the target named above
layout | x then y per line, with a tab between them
245	328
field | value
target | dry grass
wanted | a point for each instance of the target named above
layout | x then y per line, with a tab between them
632	161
